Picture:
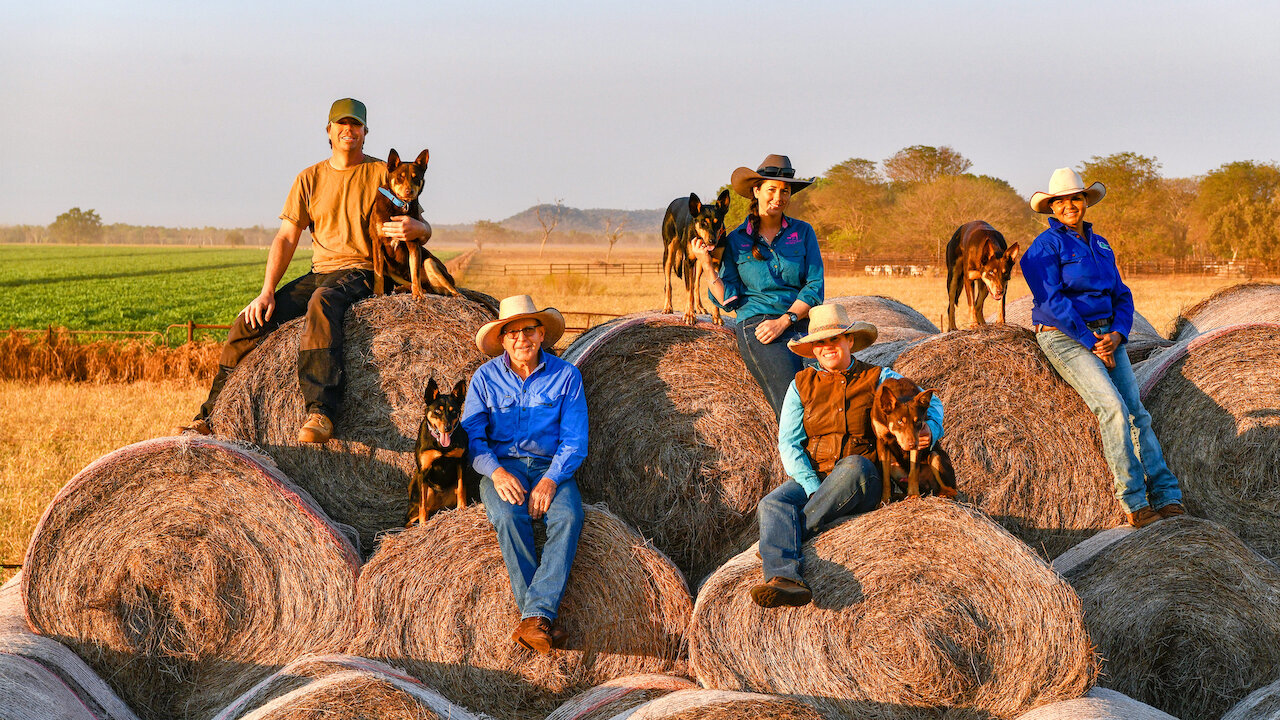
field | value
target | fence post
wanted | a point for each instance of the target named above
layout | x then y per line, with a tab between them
191	330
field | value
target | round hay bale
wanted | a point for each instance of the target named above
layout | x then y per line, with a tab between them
617	696
185	569
923	606
683	443
369	690
435	600
1261	704
1144	339
394	344
885	313
30	691
1026	448
1186	615
720	705
1098	704
1213	401
1244	303
885	354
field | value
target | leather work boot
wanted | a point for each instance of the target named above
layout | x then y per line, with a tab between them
1171	510
1143	517
559	636
781	591
198	427
317	429
535	634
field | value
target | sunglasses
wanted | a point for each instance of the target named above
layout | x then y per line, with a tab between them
528	332
773	171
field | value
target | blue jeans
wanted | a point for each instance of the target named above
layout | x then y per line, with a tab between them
1141	478
788	516
773	366
537	585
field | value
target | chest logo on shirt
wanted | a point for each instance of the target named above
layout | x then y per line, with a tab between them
792	239
1103	244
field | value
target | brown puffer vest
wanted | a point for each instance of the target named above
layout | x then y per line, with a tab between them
837	413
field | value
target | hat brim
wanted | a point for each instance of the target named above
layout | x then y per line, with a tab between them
1092	196
864	336
744	179
489	336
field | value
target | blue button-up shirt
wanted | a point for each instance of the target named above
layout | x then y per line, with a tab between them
1074	281
791	270
542	416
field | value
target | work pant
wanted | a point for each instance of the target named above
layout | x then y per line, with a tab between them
773	366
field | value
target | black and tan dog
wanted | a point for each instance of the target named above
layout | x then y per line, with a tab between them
978	260
897	418
444	477
404	262
686	219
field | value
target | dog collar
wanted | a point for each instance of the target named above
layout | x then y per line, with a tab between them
394	200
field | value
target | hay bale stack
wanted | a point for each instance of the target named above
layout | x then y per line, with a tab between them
683	442
1144	339
919	608
617	696
1026	448
337	687
1261	704
183	570
1213	401
435	600
884	313
1243	303
1186	615
394	344
720	705
1098	704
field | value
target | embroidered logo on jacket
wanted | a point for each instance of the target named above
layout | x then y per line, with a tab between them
1103	244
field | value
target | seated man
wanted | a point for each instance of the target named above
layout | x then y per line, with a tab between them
828	448
526	417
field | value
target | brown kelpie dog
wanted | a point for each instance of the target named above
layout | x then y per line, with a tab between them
686	219
897	418
978	260
444	477
404	262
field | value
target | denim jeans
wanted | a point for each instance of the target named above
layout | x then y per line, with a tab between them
1141	478
537	585
773	366
788	516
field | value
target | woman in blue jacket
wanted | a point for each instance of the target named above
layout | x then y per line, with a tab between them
771	274
1083	313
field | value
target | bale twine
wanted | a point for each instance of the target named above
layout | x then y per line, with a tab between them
1026	448
619	695
366	690
1143	339
183	570
683	442
885	313
394	344
1186	616
720	705
436	600
1261	704
1213	401
919	608
1243	303
1098	704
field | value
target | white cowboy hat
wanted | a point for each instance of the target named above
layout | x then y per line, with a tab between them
1066	181
518	307
829	320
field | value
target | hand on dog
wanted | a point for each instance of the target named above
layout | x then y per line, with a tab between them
701	252
508	486
769	330
540	498
402	228
259	310
925	439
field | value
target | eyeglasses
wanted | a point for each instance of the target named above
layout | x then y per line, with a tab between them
528	332
775	171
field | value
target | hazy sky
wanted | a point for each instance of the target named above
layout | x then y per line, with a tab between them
189	114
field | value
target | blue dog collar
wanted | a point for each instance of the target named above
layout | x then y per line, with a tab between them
394	200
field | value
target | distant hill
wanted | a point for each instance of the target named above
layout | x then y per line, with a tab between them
587	221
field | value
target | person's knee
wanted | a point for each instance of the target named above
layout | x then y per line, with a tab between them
323	299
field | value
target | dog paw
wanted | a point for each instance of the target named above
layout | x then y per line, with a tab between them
690	319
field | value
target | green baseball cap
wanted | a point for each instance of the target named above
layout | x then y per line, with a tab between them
347	108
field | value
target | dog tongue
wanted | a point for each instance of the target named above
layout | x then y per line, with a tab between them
441	437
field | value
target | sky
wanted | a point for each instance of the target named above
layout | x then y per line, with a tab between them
191	114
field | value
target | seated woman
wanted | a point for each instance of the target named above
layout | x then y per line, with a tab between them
1083	313
771	274
828	448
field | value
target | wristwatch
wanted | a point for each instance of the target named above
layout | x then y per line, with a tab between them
794	318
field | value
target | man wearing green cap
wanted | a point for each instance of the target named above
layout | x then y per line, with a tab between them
331	199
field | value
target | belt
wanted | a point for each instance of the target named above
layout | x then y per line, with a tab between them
1092	325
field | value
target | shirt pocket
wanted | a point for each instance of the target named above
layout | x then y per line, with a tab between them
1073	270
506	418
544	419
791	264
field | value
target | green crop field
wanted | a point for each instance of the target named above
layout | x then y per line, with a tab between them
130	288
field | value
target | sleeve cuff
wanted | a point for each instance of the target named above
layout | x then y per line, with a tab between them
486	464
810	484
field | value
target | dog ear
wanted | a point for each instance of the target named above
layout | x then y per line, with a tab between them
460	390
722	202
886	401
925	397
423	157
432	392
1012	253
695	205
393	160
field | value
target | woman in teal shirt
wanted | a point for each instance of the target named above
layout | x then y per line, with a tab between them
770	276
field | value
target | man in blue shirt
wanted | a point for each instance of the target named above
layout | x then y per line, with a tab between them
526	418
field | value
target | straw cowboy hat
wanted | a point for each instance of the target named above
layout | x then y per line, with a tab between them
1066	181
829	320
774	167
518	307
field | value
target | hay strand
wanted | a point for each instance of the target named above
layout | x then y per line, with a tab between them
1244	303
923	606
720	705
435	600
1143	340
1026	448
183	570
1098	704
612	698
394	344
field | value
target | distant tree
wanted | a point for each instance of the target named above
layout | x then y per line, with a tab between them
612	231
1138	216
549	222
487	231
234	237
924	216
738	207
1237	211
76	226
923	163
844	205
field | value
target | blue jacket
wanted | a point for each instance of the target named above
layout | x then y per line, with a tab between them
1076	281
542	416
792	269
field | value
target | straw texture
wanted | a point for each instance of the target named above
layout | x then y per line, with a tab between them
720	705
920	608
1243	303
884	313
1099	704
603	702
1143	340
1261	704
183	570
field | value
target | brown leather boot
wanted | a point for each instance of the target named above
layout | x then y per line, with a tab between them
781	591
198	427
317	429
535	634
559	636
1171	510
1143	517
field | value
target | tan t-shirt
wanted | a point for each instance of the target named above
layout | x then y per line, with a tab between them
336	204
